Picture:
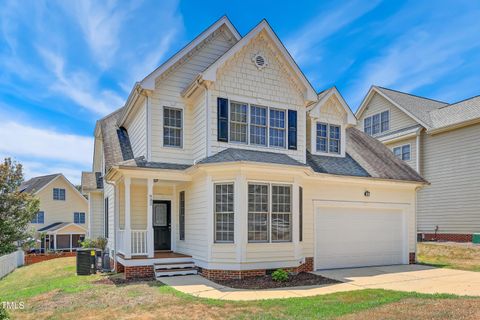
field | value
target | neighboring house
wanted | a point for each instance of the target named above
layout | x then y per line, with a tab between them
63	214
226	159
440	141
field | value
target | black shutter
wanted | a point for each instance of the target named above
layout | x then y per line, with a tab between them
222	119
292	129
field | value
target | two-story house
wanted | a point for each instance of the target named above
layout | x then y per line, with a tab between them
63	214
440	141
227	160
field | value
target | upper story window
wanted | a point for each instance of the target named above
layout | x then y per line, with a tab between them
238	122
402	152
328	138
58	194
277	128
79	217
258	125
172	127
224	212
377	123
39	217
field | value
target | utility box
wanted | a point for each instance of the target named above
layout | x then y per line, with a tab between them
86	262
476	238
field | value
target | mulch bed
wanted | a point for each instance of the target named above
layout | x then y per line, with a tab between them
266	282
117	279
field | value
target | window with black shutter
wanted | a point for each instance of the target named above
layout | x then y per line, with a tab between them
292	129
222	121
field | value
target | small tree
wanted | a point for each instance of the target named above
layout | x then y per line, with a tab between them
16	208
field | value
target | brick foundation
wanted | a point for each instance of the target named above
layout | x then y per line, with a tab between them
119	268
242	274
454	237
35	258
412	258
139	272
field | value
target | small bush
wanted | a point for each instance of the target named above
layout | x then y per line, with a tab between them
3	314
280	275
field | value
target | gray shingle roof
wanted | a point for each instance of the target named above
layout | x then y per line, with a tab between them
92	181
116	144
37	183
377	159
234	155
140	162
455	113
344	166
55	226
418	106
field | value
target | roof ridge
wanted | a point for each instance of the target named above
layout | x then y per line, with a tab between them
411	94
460	101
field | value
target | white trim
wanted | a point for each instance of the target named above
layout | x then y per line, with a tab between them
149	128
417	152
319	203
149	81
210	74
315	109
182	128
401	147
249	265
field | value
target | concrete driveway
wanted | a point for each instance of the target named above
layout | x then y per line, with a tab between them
417	278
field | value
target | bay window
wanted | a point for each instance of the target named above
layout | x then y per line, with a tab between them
224	212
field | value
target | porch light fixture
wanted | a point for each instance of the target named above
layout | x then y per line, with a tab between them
366	193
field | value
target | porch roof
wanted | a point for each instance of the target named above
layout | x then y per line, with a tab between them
57	226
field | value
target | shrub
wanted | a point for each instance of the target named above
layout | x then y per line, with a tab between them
99	243
280	275
3	314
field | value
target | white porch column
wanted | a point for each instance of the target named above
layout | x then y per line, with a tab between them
128	233
150	248
55	242
70	242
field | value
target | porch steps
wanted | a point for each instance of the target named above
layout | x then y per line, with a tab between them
174	269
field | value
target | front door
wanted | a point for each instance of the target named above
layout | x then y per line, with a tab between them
161	225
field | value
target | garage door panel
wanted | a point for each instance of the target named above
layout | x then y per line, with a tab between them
356	237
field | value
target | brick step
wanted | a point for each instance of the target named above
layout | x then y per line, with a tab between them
175	272
173	265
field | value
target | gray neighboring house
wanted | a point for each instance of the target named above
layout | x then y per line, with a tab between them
442	142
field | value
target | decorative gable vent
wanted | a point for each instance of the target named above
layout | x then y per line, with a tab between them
259	61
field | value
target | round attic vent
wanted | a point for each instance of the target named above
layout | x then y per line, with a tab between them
259	61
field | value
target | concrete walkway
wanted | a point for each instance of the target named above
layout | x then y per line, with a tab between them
402	278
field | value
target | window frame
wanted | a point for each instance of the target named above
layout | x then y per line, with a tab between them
35	220
59	198
284	129
402	153
250	125
215	213
246	124
181	213
328	138
164	126
258	212
79	215
270	211
370	129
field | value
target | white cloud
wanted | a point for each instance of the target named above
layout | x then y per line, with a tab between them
20	140
325	24
34	169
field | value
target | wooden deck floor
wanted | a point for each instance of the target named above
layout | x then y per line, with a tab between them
160	255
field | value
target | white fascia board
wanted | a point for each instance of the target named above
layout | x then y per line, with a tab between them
210	74
149	81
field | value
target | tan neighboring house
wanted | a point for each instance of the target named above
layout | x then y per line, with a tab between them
442	142
225	161
63	214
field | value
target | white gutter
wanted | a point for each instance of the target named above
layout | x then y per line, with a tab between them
417	164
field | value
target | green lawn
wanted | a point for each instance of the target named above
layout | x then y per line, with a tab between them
450	255
51	290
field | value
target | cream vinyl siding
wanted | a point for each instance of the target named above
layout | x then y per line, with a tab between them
109	192
413	150
168	93
451	163
138	204
137	131
97	214
273	86
398	119
199	128
59	210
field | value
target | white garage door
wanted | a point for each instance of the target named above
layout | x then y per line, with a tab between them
359	237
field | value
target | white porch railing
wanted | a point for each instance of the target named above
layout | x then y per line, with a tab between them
138	242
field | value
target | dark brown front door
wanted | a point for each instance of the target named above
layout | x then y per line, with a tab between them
162	225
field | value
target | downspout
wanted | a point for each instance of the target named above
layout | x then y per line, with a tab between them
418	152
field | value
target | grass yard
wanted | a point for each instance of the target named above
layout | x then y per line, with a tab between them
463	256
51	290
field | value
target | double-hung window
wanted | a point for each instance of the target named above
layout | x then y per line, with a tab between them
277	128
79	217
377	123
39	217
224	212
258	125
269	213
181	215
238	122
58	194
402	152
328	138
172	127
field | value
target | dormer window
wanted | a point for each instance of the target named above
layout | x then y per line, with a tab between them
377	123
328	138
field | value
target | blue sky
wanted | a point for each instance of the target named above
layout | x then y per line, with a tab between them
64	64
